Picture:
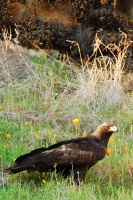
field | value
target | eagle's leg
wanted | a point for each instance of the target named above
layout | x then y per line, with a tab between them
79	174
66	172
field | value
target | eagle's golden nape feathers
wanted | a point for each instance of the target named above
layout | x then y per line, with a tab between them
105	129
72	157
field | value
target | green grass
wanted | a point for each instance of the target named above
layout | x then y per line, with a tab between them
48	100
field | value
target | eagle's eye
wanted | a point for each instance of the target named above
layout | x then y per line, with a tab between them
107	127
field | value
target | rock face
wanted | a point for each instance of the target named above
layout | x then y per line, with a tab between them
127	7
50	24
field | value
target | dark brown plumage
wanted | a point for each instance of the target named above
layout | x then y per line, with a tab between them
75	156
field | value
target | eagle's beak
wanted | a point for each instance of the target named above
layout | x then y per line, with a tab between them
113	128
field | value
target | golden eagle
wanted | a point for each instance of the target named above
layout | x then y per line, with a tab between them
70	157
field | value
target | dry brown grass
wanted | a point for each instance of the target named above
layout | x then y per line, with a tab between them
97	85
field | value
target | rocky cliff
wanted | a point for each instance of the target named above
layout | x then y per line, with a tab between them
52	24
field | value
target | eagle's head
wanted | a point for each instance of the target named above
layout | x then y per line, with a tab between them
105	130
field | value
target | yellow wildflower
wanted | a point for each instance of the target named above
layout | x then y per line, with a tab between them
0	156
111	140
8	136
55	165
0	107
50	131
130	164
26	122
126	148
84	134
55	141
36	136
120	175
75	121
108	152
44	181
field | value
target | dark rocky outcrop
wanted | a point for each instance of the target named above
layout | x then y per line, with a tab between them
50	23
127	7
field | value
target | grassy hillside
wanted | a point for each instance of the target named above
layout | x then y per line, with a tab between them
37	109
